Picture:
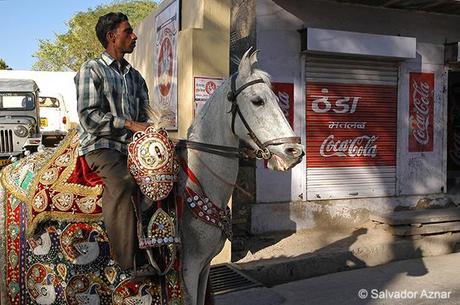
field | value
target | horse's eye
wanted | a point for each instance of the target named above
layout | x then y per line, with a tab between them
258	101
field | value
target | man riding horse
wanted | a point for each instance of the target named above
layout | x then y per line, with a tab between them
53	244
112	98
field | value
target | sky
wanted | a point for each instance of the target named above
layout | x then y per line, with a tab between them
24	22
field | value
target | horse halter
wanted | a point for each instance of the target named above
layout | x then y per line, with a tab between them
262	152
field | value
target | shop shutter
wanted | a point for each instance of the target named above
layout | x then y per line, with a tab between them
351	127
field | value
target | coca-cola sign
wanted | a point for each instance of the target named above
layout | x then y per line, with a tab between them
356	147
351	125
421	105
285	94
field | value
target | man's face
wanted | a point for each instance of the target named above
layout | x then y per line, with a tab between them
124	38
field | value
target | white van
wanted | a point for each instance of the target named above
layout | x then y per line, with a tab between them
54	118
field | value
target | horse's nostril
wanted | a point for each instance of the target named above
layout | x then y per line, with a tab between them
294	152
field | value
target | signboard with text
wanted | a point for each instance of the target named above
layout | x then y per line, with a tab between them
204	87
421	112
351	125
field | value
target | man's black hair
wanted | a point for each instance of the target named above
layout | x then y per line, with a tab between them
107	23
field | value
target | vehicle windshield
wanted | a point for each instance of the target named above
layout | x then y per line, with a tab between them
50	102
16	101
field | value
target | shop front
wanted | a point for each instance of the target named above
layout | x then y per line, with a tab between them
373	100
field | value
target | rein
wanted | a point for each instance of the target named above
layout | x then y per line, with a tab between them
224	151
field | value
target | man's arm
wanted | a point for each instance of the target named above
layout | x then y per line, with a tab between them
136	126
89	104
141	123
143	102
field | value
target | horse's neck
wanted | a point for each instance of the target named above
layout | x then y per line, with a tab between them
214	127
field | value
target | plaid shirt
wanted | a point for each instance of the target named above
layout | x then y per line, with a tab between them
108	93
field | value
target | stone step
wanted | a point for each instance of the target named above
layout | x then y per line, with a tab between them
417	216
423	229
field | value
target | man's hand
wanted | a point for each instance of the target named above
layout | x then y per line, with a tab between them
136	126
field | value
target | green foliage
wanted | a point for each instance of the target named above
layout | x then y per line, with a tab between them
70	50
3	65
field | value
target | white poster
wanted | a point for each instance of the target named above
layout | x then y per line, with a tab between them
204	87
165	64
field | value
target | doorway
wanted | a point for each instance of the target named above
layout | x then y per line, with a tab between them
453	132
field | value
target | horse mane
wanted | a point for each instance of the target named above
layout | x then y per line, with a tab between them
155	116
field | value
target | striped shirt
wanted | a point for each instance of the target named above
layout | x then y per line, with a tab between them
108	94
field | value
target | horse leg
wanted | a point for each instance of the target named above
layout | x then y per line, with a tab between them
203	287
190	275
200	243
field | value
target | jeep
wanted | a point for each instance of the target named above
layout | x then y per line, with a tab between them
19	118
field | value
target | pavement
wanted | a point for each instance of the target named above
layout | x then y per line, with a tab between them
311	253
421	281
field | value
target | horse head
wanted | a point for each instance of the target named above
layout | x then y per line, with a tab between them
257	118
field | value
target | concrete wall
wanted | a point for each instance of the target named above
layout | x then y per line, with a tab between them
418	173
203	50
425	172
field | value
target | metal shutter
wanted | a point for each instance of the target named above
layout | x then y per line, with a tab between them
351	127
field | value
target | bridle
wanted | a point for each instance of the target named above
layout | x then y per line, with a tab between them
262	152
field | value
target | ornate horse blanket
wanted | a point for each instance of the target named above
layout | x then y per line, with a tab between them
54	247
55	184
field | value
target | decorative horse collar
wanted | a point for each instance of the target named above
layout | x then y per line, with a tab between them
203	208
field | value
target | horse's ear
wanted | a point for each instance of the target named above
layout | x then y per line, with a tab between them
244	69
253	59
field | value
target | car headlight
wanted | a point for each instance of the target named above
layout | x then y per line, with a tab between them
21	131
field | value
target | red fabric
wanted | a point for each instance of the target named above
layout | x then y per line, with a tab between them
179	206
84	175
189	173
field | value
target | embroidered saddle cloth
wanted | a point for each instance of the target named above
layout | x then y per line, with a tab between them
56	184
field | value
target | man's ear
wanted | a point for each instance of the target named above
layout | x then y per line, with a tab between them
110	36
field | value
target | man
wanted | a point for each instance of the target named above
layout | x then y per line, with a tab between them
111	101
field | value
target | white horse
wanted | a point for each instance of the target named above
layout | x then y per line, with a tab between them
259	107
243	108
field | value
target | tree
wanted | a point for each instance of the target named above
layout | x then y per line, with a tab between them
70	50
3	65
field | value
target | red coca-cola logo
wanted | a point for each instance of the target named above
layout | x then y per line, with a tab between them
363	146
421	96
421	109
285	94
283	98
